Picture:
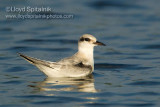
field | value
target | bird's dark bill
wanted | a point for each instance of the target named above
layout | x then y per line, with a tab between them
99	43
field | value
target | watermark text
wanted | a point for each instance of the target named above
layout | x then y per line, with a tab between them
28	12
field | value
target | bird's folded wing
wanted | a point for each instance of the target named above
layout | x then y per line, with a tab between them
67	64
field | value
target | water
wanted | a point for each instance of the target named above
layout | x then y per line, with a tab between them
126	72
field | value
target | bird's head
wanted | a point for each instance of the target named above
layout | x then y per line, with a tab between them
88	40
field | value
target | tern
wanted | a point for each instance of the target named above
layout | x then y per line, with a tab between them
79	65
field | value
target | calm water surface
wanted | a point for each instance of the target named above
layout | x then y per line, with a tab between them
127	70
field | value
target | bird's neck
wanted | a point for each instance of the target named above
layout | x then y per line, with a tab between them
87	53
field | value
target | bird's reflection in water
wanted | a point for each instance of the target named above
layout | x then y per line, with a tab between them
83	84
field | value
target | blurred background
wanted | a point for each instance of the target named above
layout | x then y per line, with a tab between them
126	70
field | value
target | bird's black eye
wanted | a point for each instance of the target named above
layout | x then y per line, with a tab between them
86	39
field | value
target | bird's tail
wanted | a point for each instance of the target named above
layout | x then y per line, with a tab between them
35	61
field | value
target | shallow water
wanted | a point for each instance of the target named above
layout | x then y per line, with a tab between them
127	70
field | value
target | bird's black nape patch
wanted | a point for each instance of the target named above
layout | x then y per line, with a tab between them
81	39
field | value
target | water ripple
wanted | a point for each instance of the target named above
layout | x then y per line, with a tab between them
6	29
153	46
12	105
140	94
111	66
112	94
28	48
120	66
68	41
15	82
145	83
53	99
16	69
113	3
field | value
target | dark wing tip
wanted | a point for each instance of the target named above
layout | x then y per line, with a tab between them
25	57
21	55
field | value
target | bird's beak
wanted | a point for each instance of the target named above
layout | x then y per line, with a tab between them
99	43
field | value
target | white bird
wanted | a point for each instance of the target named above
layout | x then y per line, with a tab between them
79	65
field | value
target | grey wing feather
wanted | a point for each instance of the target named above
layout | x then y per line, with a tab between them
75	62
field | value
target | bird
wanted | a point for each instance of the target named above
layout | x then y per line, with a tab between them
79	65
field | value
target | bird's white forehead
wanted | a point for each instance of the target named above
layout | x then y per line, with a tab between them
89	36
